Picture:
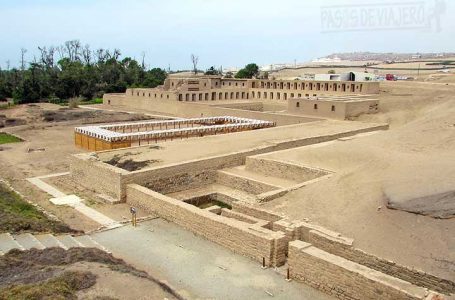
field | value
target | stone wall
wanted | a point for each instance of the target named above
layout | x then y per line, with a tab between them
240	237
345	279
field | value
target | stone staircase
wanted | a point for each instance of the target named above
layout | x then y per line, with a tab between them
26	241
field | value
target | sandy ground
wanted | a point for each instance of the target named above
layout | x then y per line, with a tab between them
421	135
197	148
118	285
417	150
56	138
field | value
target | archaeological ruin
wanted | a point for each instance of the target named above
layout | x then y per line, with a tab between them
215	185
122	135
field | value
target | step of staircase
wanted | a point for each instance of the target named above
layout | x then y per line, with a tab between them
48	240
69	241
88	242
7	242
28	241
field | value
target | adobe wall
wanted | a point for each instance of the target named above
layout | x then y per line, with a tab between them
243	238
337	246
345	279
354	109
188	179
239	182
193	110
96	175
180	176
319	108
286	170
159	177
250	106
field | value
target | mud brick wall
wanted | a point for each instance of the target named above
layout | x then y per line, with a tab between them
245	184
194	109
180	182
97	176
239	216
254	212
240	237
338	246
255	106
284	169
181	176
345	279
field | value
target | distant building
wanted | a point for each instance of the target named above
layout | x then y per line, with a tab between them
210	88
350	76
333	107
327	60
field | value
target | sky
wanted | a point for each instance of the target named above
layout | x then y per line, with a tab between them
228	33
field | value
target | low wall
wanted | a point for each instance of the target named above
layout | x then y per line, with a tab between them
339	246
193	110
96	175
189	179
283	169
345	279
161	176
246	239
198	166
253	106
180	176
238	182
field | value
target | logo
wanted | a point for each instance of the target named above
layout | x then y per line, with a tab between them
415	15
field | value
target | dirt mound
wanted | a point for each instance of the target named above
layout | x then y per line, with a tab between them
33	265
423	187
63	286
55	273
8	122
41	274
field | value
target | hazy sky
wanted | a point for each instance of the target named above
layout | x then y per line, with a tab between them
227	32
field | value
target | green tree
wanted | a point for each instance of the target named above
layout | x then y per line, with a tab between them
212	71
249	71
81	72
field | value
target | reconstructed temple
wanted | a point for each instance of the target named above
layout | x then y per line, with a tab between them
122	135
210	88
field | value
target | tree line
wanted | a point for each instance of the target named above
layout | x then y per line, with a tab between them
72	70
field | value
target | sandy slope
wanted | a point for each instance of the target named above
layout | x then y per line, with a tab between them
418	153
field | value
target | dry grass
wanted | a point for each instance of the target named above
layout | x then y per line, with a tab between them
16	215
41	274
63	286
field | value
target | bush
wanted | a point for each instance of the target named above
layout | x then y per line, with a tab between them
73	102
